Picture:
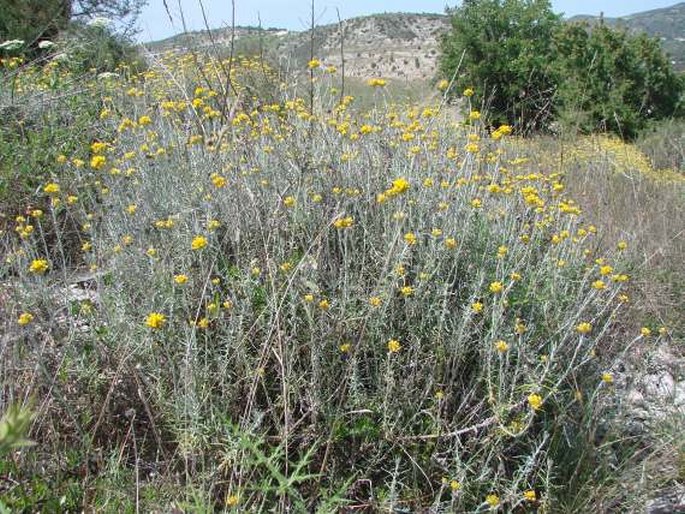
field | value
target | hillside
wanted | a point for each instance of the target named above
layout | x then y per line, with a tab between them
396	45
667	23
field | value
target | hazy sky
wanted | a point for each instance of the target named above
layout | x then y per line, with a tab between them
295	14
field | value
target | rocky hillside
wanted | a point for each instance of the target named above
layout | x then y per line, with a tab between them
396	45
667	23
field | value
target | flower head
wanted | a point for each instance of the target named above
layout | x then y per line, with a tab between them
155	320
39	266
394	346
198	243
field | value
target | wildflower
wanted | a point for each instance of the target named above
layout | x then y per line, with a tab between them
468	92
39	266
86	246
313	64
477	307
535	401
72	199
232	500
198	243
309	298
289	201
621	245
663	331
529	495
218	180
97	161
454	485
376	82
342	223
155	320
345	348
324	305
406	291
51	189
599	285
202	323
605	270
501	346
443	85
410	238
255	271
394	346
502	251
645	332
584	328
607	378
436	232
496	287
515	276
375	301
181	279
520	326
286	267
476	203
492	500
450	243
25	318
37	213
399	185
474	115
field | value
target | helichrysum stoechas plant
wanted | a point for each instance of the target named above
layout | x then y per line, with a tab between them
386	295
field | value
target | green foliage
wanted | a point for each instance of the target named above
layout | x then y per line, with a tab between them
613	80
507	57
531	69
31	20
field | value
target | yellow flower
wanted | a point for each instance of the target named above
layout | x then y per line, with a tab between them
450	243
501	346
477	307
492	500
496	287
218	180
468	92
529	495
605	270
394	346
535	401
375	82
232	500
406	291
202	323
622	245
181	279
309	298
39	266
645	331
131	209
345	347
324	305
502	251
25	318
51	188
599	285
515	276
289	201
410	238
198	243
607	378
97	161
342	223
314	63
474	115
476	203
584	328
454	485
399	185
155	320
375	301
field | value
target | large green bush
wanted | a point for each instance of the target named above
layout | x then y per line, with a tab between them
532	69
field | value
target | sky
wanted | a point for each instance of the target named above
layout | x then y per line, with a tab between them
156	24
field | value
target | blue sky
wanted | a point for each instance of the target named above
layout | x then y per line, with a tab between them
294	14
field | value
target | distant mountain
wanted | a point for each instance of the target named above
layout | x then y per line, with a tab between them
396	45
667	23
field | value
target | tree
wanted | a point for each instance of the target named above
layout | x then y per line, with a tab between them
507	57
612	80
34	20
529	69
